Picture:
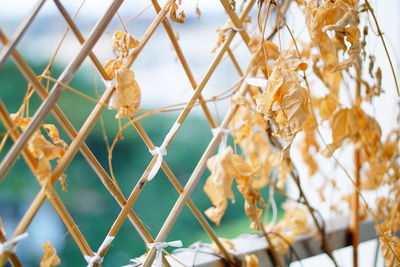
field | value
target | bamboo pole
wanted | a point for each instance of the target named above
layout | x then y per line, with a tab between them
173	179
142	181
5	53
15	261
52	195
193	208
184	63
56	91
76	143
88	155
192	182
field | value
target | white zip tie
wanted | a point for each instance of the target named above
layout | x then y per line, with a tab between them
134	263
96	258
224	137
161	151
159	246
225	131
236	29
9	245
258	82
110	84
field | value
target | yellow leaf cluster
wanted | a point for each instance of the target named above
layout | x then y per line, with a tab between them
285	101
225	167
127	95
44	149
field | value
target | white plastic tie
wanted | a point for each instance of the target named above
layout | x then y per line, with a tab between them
9	245
161	151
236	29
110	84
258	82
134	263
159	246
96	258
224	137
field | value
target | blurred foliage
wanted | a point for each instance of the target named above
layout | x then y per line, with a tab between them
92	207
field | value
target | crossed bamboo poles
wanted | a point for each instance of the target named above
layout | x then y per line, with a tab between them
31	77
78	138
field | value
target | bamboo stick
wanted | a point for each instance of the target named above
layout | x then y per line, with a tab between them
67	126
175	182
192	182
184	63
15	261
142	181
88	125
56	91
52	195
5	53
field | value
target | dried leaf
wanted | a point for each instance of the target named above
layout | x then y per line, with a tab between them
344	125
127	95
243	172
293	224
50	257
285	101
174	17
257	152
251	260
111	66
218	186
225	242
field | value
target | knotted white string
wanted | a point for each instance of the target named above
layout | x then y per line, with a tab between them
110	84
224	137
9	245
134	263
96	258
159	246
162	151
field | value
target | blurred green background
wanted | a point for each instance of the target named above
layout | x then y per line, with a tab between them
92	207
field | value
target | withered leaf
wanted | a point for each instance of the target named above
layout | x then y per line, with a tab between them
218	186
344	125
174	17
127	94
50	257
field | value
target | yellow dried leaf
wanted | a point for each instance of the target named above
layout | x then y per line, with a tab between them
251	260
293	224
344	125
42	149
327	105
257	151
174	17
243	173
122	42
218	186
50	257
111	66
306	148
390	249
127	94
285	101
54	135
225	242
